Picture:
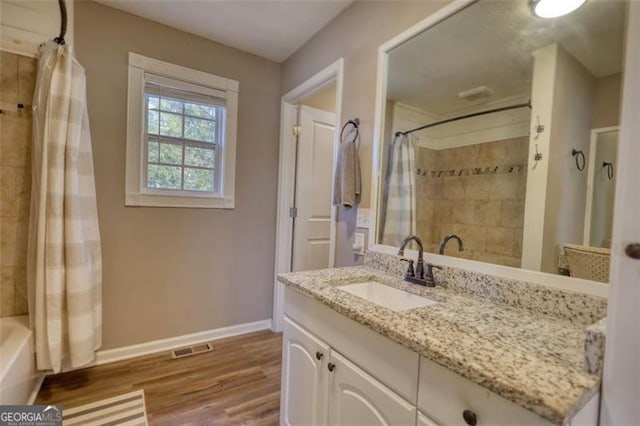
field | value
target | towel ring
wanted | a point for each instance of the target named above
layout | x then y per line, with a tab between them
355	123
609	167
578	155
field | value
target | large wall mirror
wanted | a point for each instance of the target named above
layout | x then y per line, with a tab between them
501	127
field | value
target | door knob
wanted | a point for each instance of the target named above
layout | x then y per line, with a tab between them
319	355
633	250
331	366
470	417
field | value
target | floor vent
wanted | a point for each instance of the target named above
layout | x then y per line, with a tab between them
191	350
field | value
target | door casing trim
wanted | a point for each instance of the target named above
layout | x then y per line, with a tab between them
333	73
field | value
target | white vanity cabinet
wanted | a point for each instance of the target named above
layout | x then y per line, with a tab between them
319	387
336	371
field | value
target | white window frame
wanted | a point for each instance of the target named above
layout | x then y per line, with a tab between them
136	191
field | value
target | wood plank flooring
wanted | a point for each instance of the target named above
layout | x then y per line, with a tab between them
238	383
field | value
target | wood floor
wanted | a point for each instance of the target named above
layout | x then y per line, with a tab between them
238	383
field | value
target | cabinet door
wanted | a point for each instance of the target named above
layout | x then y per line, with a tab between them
303	399
356	398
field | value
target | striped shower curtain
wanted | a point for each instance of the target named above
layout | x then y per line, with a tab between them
64	263
399	200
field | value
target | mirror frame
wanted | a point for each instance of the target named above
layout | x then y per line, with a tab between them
576	285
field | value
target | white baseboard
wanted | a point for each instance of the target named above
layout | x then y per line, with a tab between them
126	352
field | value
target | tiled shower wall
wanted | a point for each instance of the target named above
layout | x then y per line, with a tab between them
477	192
17	81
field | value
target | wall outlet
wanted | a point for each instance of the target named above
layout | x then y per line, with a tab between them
363	220
358	243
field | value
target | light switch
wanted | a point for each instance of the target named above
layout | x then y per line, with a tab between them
363	220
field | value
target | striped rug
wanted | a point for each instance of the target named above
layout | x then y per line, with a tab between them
123	410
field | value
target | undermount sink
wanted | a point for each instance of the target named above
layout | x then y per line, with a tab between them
386	296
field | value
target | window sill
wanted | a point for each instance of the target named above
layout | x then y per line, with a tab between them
161	200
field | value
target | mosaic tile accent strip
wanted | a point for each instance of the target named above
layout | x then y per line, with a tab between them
489	170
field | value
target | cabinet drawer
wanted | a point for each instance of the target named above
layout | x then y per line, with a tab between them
392	364
444	395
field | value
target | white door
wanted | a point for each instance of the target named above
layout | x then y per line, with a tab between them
303	399
621	380
313	190
356	398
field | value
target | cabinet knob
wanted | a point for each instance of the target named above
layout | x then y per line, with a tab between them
470	417
331	366
633	250
319	355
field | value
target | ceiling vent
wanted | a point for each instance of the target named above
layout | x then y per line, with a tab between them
191	350
476	93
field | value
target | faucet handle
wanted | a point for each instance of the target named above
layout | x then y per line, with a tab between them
429	278
410	271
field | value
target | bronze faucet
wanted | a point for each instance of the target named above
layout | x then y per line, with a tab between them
445	240
419	275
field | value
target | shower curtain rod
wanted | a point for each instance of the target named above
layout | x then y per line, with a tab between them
462	117
63	22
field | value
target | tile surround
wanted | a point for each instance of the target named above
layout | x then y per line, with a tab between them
475	191
17	83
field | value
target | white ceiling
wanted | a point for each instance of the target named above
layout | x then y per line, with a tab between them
273	29
490	44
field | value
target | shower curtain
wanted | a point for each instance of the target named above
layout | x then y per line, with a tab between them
399	198
64	264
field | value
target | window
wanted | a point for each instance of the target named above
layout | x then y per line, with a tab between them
180	136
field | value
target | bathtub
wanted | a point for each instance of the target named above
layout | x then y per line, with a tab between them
19	380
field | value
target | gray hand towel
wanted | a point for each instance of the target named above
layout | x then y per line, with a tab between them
347	185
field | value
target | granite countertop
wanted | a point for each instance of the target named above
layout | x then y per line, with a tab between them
532	359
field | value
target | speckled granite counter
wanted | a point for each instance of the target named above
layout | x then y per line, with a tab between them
534	359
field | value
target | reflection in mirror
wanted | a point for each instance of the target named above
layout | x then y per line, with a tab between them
602	184
483	112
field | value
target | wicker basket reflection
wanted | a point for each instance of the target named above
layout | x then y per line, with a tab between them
591	263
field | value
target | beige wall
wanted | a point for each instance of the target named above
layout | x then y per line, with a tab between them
606	101
355	35
324	99
570	128
17	82
170	271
